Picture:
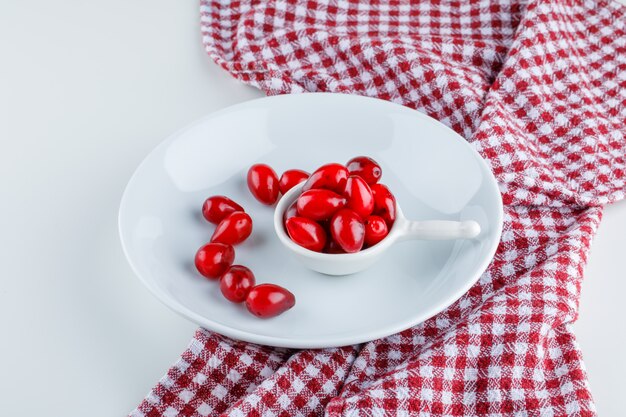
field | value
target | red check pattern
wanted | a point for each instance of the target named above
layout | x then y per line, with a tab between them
539	89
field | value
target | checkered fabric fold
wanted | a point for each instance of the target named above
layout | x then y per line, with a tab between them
539	89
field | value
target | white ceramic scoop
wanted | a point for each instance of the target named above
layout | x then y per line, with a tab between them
350	263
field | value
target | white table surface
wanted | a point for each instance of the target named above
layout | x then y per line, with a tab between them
87	89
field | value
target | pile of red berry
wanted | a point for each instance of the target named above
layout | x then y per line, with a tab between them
342	209
215	261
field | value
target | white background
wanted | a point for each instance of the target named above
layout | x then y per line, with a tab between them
87	89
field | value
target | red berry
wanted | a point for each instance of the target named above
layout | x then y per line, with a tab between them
348	230
366	168
236	283
234	229
263	183
217	207
292	211
330	176
359	196
306	233
384	203
375	230
291	178
213	259
319	204
269	300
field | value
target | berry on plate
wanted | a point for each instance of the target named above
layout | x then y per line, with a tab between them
236	283
263	183
217	207
233	229
269	300
291	178
213	259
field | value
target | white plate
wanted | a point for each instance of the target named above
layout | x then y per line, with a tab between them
433	172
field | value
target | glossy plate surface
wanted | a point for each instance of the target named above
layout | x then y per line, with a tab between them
433	172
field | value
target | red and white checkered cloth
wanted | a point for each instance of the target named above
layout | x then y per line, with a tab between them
539	89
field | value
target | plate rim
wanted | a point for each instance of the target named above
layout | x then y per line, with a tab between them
304	343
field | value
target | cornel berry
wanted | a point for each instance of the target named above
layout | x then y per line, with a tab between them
347	230
306	233
319	204
263	183
366	168
291	178
330	177
359	196
233	229
269	300
217	207
236	283
342	209
215	259
384	204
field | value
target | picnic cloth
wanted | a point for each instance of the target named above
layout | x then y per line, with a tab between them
539	89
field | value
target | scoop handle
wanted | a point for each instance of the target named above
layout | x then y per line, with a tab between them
440	230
